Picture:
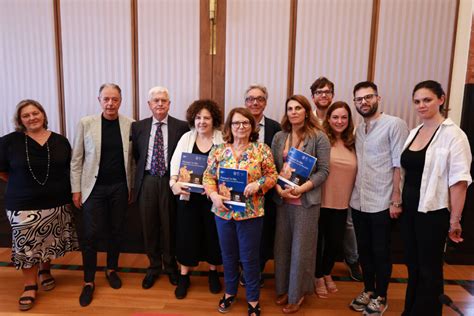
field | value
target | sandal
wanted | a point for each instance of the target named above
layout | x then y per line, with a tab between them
49	283
330	285
226	303
253	311
320	288
26	302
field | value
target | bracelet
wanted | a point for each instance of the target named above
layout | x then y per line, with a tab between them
396	204
455	219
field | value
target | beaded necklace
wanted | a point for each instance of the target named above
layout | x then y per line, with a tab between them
29	164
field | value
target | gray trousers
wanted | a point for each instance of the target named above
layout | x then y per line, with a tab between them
350	242
296	238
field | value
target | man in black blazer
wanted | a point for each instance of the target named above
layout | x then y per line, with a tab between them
154	140
256	97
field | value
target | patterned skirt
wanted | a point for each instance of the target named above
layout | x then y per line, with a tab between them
41	235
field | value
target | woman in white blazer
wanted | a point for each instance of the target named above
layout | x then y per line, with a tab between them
436	162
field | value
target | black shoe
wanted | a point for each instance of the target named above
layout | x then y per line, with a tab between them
215	285
149	280
26	302
354	271
253	310
173	277
86	295
114	279
182	288
226	303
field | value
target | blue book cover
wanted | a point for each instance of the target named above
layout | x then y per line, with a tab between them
297	168
232	183
191	169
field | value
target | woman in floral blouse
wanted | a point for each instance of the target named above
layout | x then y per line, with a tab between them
240	232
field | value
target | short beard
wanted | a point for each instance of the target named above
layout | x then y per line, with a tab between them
372	111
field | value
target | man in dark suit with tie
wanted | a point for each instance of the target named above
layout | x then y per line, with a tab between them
154	140
256	97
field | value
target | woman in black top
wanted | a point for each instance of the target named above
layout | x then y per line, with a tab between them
435	170
196	233
35	164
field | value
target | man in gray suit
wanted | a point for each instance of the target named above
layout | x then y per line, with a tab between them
101	181
154	141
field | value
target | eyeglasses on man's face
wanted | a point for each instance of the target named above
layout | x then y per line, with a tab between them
367	98
251	100
323	92
237	124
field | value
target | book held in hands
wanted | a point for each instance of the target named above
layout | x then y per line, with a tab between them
232	183
296	169
191	169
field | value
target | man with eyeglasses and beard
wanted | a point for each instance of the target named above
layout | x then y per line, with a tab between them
322	93
376	196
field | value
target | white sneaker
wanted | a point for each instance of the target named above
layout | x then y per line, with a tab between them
376	307
360	302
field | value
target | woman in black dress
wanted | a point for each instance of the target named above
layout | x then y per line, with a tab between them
35	164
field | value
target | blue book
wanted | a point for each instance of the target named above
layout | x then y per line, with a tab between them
297	168
232	183
191	169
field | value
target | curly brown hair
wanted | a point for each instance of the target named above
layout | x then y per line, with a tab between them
347	136
311	124
211	106
227	133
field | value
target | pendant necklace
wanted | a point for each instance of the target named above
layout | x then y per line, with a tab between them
29	164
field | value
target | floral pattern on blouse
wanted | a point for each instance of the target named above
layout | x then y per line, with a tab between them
257	159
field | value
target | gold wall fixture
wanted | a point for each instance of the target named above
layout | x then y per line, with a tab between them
213	26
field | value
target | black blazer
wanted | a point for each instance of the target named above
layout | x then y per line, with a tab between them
271	128
140	137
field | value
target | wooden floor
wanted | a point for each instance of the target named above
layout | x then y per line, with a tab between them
131	299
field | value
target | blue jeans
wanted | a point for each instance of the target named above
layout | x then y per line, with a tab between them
240	241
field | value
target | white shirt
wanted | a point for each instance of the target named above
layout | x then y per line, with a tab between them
261	132
447	161
378	152
151	141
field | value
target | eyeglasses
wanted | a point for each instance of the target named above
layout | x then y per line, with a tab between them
366	97
325	92
237	124
251	100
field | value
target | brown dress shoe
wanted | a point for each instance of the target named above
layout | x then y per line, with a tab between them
292	308
282	300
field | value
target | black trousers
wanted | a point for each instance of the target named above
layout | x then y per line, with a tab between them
103	211
157	206
332	226
424	236
373	242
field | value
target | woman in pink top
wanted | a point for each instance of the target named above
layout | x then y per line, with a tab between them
336	193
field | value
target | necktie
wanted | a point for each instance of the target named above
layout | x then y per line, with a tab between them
158	166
